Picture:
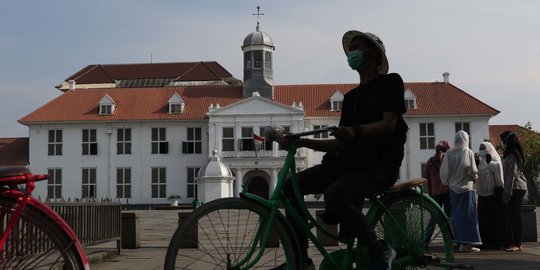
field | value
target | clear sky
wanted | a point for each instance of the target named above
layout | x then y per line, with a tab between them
491	48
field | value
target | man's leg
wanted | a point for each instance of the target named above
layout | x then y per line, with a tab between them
313	180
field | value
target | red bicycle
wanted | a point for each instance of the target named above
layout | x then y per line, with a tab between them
33	235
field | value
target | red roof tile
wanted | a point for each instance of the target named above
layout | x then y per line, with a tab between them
133	104
432	99
184	71
14	152
496	130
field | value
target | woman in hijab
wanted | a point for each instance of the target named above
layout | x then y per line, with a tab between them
515	185
492	219
436	189
459	172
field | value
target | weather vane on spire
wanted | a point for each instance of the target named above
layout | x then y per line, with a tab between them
258	15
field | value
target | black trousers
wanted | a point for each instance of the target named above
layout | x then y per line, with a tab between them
342	195
514	213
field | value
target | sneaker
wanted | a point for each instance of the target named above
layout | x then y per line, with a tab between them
307	265
382	259
468	249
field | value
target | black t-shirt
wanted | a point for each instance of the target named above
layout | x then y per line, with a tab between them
366	104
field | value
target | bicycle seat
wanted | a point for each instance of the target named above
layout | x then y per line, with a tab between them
405	185
12	171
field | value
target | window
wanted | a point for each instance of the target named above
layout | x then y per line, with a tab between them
54	184
193	145
427	136
105	109
246	141
265	145
410	104
176	108
257	55
89	142
323	135
336	106
159	141
123	141
465	126
247	60
227	139
123	182
267	60
336	101
55	143
89	187
191	182
159	182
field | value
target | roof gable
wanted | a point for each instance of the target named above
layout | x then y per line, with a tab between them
255	105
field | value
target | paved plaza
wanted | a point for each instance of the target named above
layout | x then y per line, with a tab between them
157	228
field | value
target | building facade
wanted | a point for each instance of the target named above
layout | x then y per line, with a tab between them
141	132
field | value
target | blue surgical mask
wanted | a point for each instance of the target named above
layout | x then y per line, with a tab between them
482	153
356	59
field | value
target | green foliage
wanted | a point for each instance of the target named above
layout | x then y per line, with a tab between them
530	142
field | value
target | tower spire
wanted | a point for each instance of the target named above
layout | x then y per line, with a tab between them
258	16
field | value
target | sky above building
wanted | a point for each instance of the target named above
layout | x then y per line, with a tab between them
491	48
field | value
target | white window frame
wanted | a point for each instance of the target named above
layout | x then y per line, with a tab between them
227	142
192	187
89	181
427	135
159	143
158	182
123	182
54	183
54	146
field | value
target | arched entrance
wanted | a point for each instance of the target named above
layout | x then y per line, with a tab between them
257	182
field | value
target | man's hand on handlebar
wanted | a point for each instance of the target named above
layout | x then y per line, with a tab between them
344	133
289	141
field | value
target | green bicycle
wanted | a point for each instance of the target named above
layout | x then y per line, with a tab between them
252	233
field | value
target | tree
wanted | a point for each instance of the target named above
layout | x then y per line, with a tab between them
530	142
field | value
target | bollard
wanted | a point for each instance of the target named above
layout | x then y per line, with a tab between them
131	234
191	238
528	212
323	238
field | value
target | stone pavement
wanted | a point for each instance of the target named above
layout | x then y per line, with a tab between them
157	228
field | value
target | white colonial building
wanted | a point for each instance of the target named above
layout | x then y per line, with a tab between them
141	132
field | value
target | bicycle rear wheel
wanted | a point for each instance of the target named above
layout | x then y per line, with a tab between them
225	234
36	242
425	225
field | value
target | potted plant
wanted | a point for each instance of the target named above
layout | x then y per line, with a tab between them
174	199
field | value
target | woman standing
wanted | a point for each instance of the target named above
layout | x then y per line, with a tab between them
515	185
436	189
492	219
459	172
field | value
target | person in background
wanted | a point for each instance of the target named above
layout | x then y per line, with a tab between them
515	185
492	218
436	189
459	172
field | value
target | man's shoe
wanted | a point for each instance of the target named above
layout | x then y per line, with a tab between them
468	249
382	259
307	265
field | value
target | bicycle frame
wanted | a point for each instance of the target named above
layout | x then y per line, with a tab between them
341	259
24	199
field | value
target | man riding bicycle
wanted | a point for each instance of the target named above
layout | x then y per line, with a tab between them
365	156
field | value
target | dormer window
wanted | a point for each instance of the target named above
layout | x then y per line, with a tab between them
106	105
410	100
176	104
336	101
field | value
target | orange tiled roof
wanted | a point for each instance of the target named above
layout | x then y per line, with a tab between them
184	71
133	104
496	130
432	99
14	152
151	103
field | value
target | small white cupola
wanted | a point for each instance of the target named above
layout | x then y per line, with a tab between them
106	105
336	101
410	100
176	104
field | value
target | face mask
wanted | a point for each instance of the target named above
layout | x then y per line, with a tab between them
482	153
356	59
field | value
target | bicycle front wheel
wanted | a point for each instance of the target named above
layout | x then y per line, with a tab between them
426	237
36	242
226	234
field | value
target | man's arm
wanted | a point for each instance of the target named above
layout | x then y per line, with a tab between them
380	128
319	145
